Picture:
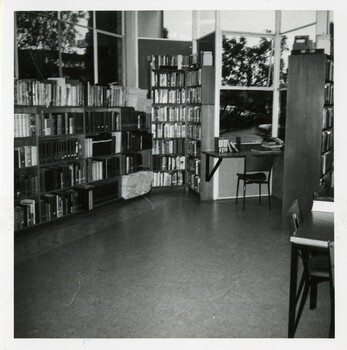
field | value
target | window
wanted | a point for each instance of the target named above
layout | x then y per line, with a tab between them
37	43
51	44
247	61
247	114
248	21
178	25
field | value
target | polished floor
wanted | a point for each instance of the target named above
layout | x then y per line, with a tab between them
161	266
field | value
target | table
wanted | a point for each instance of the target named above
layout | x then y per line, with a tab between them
246	150
314	233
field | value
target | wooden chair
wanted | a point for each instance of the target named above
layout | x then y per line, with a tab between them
317	268
257	170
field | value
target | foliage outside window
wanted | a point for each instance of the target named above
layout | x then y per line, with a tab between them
245	113
39	46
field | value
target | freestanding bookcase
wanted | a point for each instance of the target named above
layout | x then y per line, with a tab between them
308	156
72	158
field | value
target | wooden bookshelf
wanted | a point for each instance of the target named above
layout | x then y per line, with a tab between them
308	156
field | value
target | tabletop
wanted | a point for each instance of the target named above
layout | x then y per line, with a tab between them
317	230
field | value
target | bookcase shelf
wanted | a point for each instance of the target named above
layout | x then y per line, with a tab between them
70	159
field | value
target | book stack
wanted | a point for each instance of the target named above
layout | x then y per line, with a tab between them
53	151
224	145
25	185
161	179
52	124
102	169
25	156
24	125
162	163
105	121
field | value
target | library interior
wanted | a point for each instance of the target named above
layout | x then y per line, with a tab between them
173	174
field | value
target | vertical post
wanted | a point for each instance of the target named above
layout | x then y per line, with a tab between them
195	31
276	76
218	72
16	69
60	47
95	49
131	50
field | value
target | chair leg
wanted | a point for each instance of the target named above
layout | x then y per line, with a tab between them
313	296
237	189
259	193
268	191
244	194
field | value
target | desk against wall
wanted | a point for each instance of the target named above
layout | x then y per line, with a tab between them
233	163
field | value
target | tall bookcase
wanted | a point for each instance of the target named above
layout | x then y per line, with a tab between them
183	100
308	156
68	159
168	120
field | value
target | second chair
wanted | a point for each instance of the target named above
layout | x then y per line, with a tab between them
257	170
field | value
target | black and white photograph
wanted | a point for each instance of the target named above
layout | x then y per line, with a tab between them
172	174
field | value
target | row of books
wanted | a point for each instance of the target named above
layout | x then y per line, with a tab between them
105	96
172	114
57	151
167	130
25	185
169	162
168	79
176	146
193	77
101	144
50	92
131	163
136	140
327	140
24	124
25	156
193	131
170	61
224	145
193	182
328	117
193	114
194	166
62	176
329	94
326	162
161	179
101	169
193	148
329	71
60	124
193	95
177	96
50	206
67	92
102	121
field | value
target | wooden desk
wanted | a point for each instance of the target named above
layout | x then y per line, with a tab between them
246	150
315	233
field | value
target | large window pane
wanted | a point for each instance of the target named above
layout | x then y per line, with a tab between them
77	45
247	61
110	21
109	59
150	24
245	114
178	25
206	22
248	21
296	19
37	42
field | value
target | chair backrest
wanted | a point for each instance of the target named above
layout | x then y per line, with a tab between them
294	216
261	162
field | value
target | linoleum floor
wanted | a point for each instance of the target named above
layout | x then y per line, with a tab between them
161	266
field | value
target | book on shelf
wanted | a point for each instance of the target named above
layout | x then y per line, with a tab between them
30	211
85	195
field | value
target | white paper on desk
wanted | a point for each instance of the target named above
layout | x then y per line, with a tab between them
325	206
